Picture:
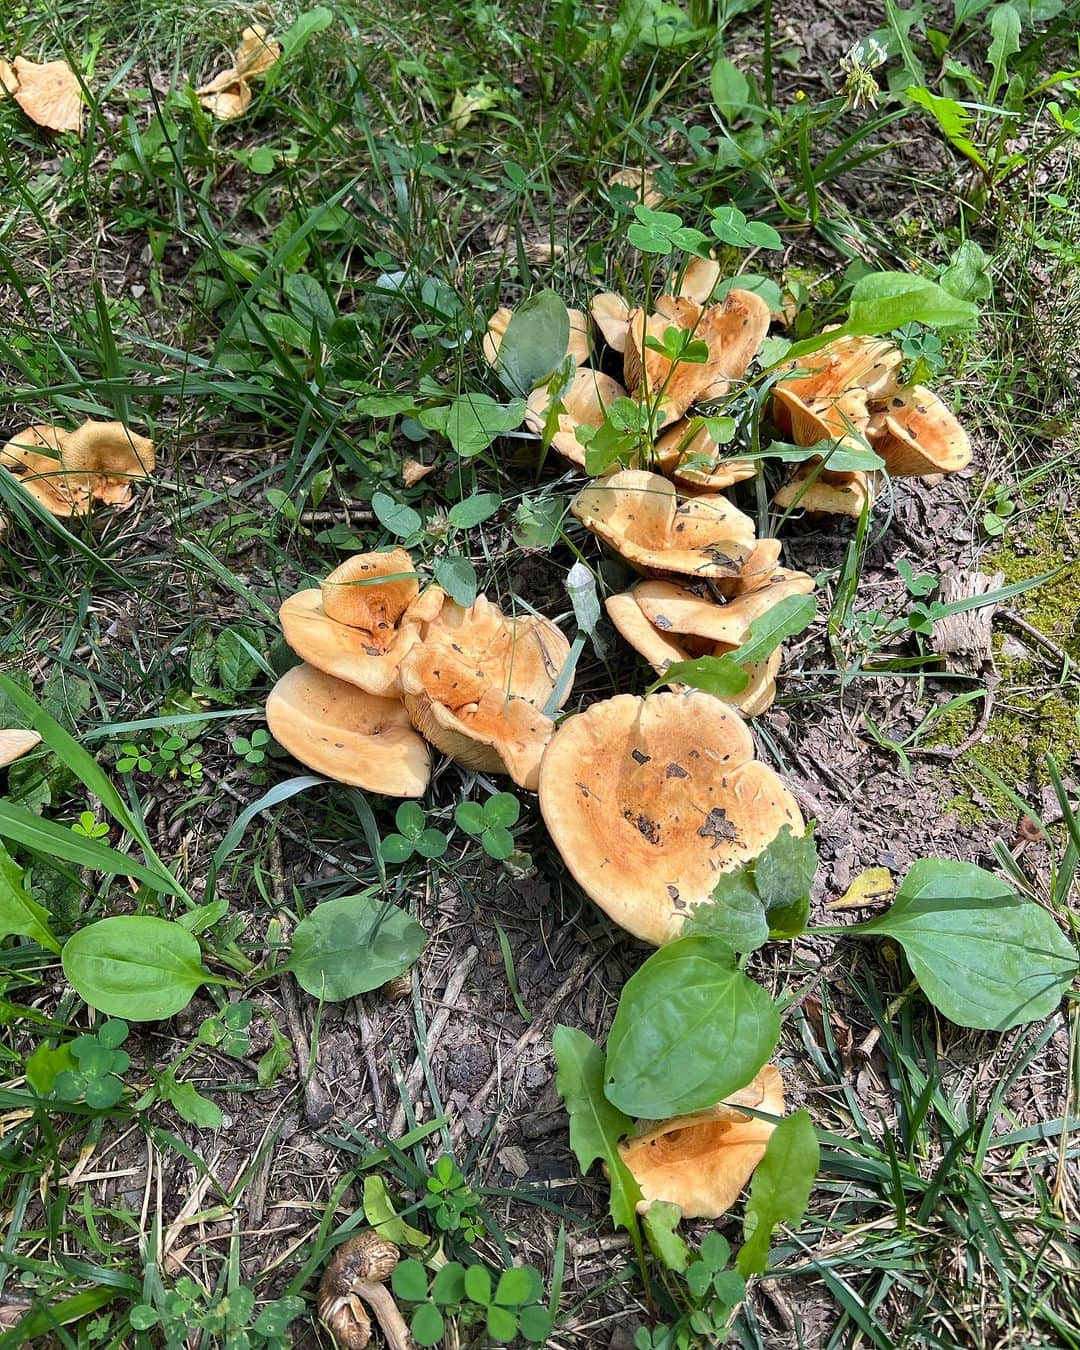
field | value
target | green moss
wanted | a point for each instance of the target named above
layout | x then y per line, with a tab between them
1030	549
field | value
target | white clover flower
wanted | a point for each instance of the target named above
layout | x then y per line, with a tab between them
862	58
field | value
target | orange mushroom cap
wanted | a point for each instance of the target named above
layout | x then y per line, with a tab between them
226	97
42	475
611	314
915	433
692	610
680	451
649	800
836	494
258	51
701	1162
586	400
49	94
107	457
699	280
16	743
347	734
640	516
870	364
843	418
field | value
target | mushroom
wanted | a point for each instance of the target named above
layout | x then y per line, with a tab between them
732	331
16	743
611	314
696	461
577	347
477	685
701	1162
587	399
642	181
42	474
97	462
347	734
362	620
48	93
640	516
915	433
258	51
840	418
649	800
870	364
661	651
228	95
699	280
692	611
356	1275
838	494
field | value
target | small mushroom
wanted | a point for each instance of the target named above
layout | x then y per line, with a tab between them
696	462
842	418
356	1276
649	800
701	1162
691	611
258	51
577	347
48	93
915	433
228	95
359	624
642	181
870	364
699	280
33	457
347	734
586	401
837	494
611	314
641	517
16	743
477	685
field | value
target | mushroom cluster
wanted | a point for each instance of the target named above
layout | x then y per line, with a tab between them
388	668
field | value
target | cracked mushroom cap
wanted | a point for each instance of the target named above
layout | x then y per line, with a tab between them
477	685
640	516
16	743
870	364
587	399
832	494
107	458
915	433
347	734
701	1162
49	94
649	799
357	626
732	330
611	314
661	650
691	611
577	347
33	457
697	462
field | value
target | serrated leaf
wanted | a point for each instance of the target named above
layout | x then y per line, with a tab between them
660	1221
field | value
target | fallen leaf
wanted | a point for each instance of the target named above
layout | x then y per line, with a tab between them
49	94
412	471
868	888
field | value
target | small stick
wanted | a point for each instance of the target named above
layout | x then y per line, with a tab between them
866	1047
977	732
1018	621
367	1040
451	994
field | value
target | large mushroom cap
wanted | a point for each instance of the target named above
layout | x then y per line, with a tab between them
870	364
586	401
16	743
347	734
834	494
696	461
477	685
372	591
649	799
915	433
33	457
611	314
49	94
639	515
840	418
577	346
692	610
108	458
701	1162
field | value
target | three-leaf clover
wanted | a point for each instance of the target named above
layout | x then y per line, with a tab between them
89	826
663	231
414	836
491	823
252	749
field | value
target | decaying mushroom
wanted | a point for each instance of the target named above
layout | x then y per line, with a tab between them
49	93
732	331
611	314
228	94
347	734
477	685
362	620
915	433
356	1276
577	347
16	743
66	470
823	491
649	799
640	516
701	1162
586	401
696	461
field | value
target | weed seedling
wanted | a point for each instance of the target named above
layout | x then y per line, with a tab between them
491	823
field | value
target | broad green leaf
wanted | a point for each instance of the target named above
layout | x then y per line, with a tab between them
20	914
983	956
732	227
501	1324
134	966
785	619
304	28
427	1325
843	458
472	421
954	120
967	275
502	808
883	301
380	1213
722	676
660	1221
479	507
409	1280
518	1285
478	1284
46	1064
457	576
689	1005
780	1190
238	668
346	947
784	872
535	342
581	588
730	89
596	1126
396	517
59	843
1005	42
734	913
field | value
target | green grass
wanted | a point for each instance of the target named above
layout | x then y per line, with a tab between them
242	318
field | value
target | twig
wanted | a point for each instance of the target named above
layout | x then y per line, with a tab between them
451	994
367	1041
1018	621
866	1047
977	732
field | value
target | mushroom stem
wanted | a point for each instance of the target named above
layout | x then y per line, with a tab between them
381	1302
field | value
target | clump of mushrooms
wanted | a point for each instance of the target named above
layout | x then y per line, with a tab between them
354	1281
65	471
